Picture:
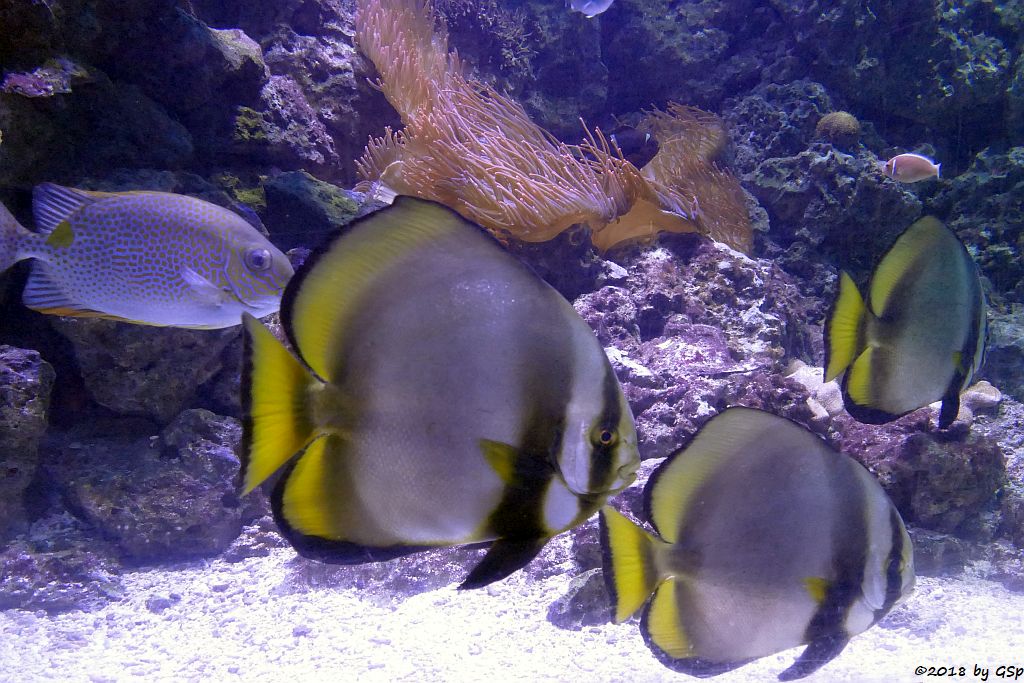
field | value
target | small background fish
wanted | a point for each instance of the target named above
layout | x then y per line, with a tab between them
590	8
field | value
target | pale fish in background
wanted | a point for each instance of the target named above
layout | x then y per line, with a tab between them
910	168
151	258
590	8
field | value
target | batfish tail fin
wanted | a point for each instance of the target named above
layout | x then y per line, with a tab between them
844	330
629	563
277	423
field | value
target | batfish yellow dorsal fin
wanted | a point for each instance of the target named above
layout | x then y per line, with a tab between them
323	296
275	387
663	626
844	328
817	588
727	435
629	560
914	244
502	459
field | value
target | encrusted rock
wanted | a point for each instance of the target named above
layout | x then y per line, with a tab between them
302	210
163	497
25	383
141	370
697	328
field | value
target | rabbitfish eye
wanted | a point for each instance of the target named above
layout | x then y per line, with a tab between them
257	259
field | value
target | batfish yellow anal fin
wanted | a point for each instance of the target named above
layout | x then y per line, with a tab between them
663	624
844	328
331	288
275	387
307	502
858	380
629	564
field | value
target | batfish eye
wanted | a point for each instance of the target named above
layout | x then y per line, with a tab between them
605	436
257	259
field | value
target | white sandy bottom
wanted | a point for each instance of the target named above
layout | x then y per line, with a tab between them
244	622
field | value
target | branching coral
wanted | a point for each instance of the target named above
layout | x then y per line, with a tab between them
472	148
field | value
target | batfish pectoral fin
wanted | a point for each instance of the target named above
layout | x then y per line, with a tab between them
502	459
505	556
817	654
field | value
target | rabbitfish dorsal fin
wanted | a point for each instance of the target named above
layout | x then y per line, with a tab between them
332	285
52	204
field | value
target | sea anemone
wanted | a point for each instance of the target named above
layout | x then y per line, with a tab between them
472	148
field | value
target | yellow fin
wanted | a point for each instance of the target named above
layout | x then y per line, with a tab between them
915	243
817	588
306	504
663	627
278	422
844	328
329	292
502	459
629	565
62	235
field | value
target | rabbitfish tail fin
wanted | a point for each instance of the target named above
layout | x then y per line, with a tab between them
11	233
629	566
277	422
844	331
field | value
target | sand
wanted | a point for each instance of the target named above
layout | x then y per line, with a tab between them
248	621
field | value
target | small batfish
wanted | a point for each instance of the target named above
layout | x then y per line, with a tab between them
152	258
765	539
445	395
919	338
590	8
910	168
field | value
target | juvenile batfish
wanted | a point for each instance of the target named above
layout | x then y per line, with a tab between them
590	8
910	168
445	395
153	258
919	338
766	539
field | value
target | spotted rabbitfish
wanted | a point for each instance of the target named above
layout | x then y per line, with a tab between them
443	395
152	258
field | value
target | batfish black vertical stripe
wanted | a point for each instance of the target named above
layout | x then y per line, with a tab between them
602	457
849	556
893	566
